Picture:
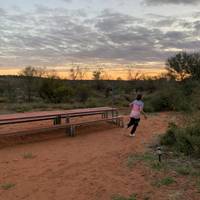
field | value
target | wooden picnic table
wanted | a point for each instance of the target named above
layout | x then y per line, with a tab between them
108	114
47	115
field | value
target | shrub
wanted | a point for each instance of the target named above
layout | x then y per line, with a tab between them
20	107
3	100
169	138
94	102
184	170
165	181
82	93
54	91
185	140
169	98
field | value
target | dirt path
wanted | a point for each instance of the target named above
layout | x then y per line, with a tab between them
90	166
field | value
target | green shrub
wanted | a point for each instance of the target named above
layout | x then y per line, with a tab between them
82	93
185	140
119	197
169	138
169	98
167	181
184	170
3	100
148	108
54	91
94	102
20	107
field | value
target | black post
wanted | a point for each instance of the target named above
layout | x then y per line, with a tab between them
159	157
159	152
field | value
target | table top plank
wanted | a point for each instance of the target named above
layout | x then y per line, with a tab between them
30	115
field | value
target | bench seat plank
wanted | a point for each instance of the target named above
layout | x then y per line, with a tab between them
118	120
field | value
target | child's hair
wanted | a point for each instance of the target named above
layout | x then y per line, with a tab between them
139	96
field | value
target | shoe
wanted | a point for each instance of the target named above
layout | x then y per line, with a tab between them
132	135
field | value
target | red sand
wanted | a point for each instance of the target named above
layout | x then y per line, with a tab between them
90	166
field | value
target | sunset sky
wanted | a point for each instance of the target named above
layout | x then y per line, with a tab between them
109	33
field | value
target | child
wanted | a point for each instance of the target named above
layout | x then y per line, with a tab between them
136	108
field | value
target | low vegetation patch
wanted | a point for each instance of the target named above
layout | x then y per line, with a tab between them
150	159
119	197
7	186
28	155
184	140
184	170
164	181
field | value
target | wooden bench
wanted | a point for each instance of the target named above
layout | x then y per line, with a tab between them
56	119
56	116
71	127
107	114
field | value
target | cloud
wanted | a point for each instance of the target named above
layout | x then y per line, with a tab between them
162	2
2	12
108	21
68	1
49	36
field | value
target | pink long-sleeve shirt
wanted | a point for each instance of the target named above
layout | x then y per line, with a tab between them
136	108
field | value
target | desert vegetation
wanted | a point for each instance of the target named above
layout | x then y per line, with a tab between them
35	88
176	91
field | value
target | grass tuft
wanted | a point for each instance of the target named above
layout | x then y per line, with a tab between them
28	156
165	181
119	197
7	186
148	158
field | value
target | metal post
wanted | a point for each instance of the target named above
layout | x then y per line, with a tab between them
159	153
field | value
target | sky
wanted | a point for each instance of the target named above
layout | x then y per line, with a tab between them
59	34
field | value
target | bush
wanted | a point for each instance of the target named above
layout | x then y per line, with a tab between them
165	181
170	98
3	100
82	93
169	138
184	140
20	108
54	91
94	102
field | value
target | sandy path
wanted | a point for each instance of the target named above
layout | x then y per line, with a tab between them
90	166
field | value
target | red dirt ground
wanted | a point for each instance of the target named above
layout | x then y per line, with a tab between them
90	166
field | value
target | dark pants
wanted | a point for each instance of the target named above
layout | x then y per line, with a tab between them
133	122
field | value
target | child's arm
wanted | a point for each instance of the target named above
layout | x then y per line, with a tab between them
145	115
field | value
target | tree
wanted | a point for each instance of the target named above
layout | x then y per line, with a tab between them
194	69
28	74
53	90
132	75
77	73
97	74
184	65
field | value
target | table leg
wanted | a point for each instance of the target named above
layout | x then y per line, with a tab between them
57	120
67	120
72	131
